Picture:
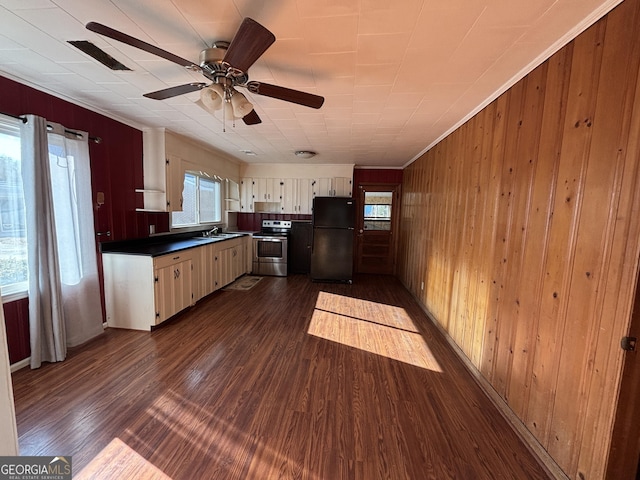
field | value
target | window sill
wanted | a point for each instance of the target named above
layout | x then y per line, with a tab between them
16	292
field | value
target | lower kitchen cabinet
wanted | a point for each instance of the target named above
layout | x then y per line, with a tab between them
300	247
230	261
173	282
143	291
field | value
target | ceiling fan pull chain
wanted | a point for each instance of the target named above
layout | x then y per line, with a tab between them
224	111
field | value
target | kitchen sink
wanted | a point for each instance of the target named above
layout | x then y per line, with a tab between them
217	236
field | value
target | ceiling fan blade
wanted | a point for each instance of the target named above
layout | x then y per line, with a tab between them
286	94
175	91
249	43
134	42
251	118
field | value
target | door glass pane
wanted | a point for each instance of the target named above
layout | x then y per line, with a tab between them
377	210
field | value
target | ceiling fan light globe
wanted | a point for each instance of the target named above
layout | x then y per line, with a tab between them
241	106
212	96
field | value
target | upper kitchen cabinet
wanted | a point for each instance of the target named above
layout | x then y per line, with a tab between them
292	187
168	156
342	186
261	195
266	190
246	195
297	195
232	196
163	174
332	187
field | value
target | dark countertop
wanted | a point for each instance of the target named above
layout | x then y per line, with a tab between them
157	246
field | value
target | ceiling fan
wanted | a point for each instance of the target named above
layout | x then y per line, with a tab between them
225	64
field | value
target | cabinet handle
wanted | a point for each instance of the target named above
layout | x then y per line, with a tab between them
176	273
107	233
176	258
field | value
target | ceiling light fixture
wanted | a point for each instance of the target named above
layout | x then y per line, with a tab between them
305	153
217	95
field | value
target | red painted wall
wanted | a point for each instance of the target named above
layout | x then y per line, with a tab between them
17	324
116	170
364	175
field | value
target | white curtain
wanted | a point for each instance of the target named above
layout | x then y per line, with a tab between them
73	210
64	298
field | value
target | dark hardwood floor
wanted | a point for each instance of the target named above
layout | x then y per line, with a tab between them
291	379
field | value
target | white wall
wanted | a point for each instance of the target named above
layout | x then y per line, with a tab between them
196	156
296	170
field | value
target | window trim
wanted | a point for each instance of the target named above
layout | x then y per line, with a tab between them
18	290
15	291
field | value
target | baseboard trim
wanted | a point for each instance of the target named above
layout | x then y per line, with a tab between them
544	459
21	364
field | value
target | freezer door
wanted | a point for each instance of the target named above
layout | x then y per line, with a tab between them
332	255
333	212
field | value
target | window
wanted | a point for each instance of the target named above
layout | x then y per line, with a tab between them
377	210
201	202
13	239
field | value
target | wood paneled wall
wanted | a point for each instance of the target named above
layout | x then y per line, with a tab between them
116	170
520	236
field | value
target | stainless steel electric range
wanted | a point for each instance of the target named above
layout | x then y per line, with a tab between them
270	247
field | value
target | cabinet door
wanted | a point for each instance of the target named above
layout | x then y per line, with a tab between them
305	196
238	261
264	190
173	289
207	272
223	267
341	187
289	195
322	187
246	195
175	183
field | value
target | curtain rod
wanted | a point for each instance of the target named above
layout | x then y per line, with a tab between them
49	127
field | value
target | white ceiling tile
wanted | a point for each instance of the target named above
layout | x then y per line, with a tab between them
332	34
381	16
327	8
376	74
382	48
394	77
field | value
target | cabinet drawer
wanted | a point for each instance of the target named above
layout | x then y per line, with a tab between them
166	260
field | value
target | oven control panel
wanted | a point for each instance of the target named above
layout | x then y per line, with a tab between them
279	224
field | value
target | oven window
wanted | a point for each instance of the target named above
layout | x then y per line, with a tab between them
270	249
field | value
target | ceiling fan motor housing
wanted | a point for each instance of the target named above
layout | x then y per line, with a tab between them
211	63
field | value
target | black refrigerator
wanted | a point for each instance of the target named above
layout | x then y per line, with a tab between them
332	247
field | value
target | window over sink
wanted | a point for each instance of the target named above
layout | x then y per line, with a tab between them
202	202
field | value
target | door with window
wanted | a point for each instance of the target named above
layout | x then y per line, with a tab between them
377	218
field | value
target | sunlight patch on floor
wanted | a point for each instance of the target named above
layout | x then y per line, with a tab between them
210	435
373	327
118	460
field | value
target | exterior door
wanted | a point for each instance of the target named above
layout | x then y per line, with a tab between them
624	453
376	226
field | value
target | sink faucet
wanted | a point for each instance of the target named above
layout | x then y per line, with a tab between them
213	231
